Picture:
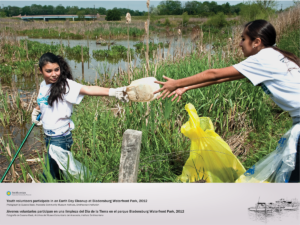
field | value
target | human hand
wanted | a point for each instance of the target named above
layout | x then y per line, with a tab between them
168	87
34	116
178	93
119	93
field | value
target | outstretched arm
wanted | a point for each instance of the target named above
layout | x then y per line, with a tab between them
94	91
179	91
203	79
119	93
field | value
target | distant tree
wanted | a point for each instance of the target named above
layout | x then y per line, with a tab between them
49	9
226	8
113	15
59	10
89	11
253	11
80	15
26	10
204	10
213	7
154	10
14	11
36	9
170	7
2	14
193	7
266	4
235	9
72	10
101	11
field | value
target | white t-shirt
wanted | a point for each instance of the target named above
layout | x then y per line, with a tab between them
278	76
56	119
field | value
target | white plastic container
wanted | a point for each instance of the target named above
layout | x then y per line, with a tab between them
141	90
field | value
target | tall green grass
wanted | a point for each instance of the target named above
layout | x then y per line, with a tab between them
290	41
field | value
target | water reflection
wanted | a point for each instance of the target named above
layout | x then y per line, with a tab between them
112	65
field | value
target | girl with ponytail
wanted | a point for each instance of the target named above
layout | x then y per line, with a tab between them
58	92
275	70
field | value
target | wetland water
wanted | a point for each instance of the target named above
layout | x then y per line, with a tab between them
111	65
35	140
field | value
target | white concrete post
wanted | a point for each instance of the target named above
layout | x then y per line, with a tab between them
130	156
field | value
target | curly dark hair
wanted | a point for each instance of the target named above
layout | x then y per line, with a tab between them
58	89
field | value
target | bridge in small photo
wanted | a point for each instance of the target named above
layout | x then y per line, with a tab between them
47	17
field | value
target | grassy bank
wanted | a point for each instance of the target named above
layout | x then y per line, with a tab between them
290	41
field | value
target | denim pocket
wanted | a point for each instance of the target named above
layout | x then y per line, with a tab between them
65	142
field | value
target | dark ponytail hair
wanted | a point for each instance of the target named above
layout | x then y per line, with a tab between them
58	89
266	32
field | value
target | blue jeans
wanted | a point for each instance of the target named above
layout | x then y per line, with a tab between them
65	142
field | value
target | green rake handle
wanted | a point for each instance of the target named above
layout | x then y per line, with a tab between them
32	126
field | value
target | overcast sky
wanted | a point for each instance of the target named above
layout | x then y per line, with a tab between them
134	5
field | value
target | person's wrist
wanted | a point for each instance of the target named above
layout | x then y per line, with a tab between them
177	84
112	92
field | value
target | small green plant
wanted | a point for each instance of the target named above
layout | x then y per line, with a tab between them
2	14
185	19
167	22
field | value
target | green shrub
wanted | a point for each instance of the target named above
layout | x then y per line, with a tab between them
185	18
113	15
2	14
218	20
117	52
80	15
253	11
167	22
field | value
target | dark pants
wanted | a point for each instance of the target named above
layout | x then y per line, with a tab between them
295	174
65	142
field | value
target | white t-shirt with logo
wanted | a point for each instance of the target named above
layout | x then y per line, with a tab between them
56	119
278	76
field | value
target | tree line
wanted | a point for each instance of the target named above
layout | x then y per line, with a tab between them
35	9
202	9
168	7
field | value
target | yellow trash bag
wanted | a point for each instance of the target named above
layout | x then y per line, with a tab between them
211	158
